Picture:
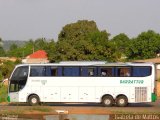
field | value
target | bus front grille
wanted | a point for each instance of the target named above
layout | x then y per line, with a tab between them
140	94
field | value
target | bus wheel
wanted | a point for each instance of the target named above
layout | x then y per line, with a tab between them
107	101
121	101
33	100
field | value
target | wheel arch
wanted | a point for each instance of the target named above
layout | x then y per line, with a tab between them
121	95
105	96
31	95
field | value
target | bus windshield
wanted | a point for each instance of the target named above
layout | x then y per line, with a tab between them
18	79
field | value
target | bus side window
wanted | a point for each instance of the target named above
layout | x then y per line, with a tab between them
75	71
106	72
71	71
88	71
18	79
33	72
67	71
59	71
124	72
20	73
143	71
37	71
84	71
51	71
91	72
54	71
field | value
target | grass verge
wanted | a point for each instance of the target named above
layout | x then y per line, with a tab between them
3	93
32	110
12	112
40	109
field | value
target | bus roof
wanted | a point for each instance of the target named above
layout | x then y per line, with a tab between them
82	62
127	64
89	63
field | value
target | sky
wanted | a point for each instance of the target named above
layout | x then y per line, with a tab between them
32	19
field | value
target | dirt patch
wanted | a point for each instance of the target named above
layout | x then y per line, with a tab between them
158	89
4	103
90	110
73	110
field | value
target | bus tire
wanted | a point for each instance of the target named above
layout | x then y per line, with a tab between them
107	101
33	100
121	101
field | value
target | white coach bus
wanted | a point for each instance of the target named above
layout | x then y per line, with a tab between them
99	82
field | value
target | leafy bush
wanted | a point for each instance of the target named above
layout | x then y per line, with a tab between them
1	76
7	68
3	93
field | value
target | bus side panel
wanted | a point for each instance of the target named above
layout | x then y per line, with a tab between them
24	93
99	93
14	96
69	94
149	94
131	98
86	94
51	94
36	90
108	90
122	91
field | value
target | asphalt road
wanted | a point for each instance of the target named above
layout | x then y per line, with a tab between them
39	112
86	108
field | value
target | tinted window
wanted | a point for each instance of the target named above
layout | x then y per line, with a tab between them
71	71
18	79
20	73
124	72
88	71
51	71
37	71
43	71
106	72
141	71
84	71
91	72
14	86
59	71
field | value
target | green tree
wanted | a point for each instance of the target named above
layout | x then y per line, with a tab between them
1	76
28	48
1	42
51	50
83	41
2	52
7	68
146	45
15	51
121	43
40	44
73	43
13	47
75	31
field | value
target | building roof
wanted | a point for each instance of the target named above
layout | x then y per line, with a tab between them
38	54
154	60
